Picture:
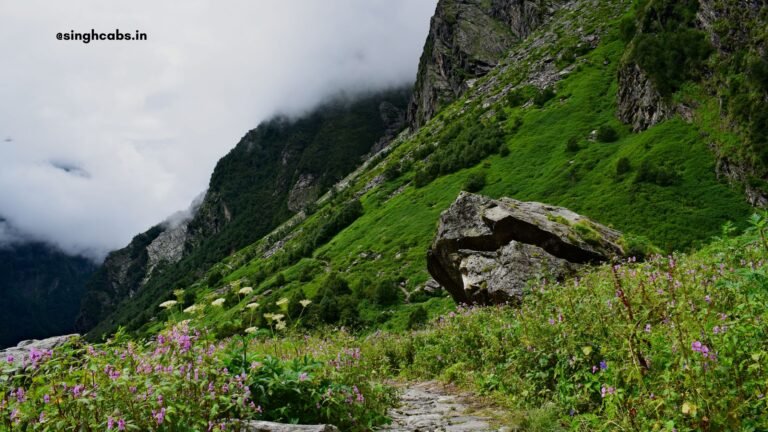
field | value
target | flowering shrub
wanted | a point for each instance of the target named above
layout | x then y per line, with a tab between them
182	380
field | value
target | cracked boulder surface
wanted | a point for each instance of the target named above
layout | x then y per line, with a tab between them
486	251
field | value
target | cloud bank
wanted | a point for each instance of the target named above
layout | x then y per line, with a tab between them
100	141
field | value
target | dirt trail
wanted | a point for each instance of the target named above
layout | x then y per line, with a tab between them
433	407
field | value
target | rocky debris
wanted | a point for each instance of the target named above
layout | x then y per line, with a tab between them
432	286
639	103
487	250
264	426
467	38
18	355
429	407
278	245
373	183
305	191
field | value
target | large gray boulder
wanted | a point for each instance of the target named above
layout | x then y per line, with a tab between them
486	251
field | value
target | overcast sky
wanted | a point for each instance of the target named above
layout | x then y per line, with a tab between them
100	141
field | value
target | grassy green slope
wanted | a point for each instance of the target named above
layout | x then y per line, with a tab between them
389	241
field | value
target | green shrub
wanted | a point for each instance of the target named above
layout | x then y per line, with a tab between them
475	181
623	166
638	246
386	292
607	134
214	279
663	175
543	96
572	146
669	47
417	317
627	29
422	178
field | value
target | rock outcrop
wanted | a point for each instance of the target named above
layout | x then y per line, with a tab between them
639	103
305	191
486	251
168	247
467	38
22	354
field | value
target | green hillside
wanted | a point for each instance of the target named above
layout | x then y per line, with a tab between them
658	186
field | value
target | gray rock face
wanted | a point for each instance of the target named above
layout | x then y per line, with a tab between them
467	38
167	247
486	250
639	102
263	426
305	191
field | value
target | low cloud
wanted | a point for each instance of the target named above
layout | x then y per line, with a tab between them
102	140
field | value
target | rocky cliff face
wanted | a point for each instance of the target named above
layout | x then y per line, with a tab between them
639	103
467	38
486	251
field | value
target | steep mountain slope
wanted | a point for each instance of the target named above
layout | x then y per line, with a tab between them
276	171
544	124
466	40
40	291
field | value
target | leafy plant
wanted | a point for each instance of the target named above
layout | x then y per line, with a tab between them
607	134
475	181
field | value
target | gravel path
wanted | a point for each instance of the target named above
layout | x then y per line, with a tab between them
431	407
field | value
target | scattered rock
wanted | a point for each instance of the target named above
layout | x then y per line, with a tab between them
487	250
263	426
432	286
